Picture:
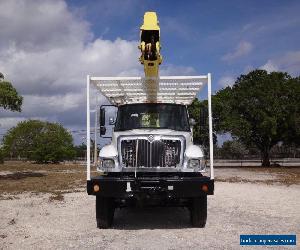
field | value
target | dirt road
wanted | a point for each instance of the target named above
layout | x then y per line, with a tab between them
30	221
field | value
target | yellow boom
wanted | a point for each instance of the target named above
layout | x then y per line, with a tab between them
150	45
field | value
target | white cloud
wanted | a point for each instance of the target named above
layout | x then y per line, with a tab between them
289	62
8	122
243	48
270	66
248	68
37	25
226	81
47	53
63	69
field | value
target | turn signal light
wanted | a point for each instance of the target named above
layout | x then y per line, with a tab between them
205	188
96	188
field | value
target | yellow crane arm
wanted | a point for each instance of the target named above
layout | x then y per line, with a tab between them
150	45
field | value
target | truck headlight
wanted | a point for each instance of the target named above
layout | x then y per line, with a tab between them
107	163
197	164
194	163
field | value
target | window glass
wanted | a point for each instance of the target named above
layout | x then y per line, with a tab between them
169	116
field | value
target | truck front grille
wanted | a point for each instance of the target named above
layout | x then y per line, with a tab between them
155	154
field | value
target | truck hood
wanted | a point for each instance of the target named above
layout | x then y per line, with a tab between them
149	131
136	132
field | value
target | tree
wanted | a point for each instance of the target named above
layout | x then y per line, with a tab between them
39	141
1	156
199	112
260	109
233	150
9	97
81	150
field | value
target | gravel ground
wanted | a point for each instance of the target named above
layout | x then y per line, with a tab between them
30	221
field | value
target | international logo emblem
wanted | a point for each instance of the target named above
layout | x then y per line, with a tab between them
150	138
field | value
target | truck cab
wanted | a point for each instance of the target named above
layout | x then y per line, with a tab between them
152	137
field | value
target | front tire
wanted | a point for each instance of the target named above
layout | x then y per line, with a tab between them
198	211
104	211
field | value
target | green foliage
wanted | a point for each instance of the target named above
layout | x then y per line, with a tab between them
80	150
233	150
1	156
198	111
260	109
39	141
9	97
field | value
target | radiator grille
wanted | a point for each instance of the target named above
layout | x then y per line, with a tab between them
143	153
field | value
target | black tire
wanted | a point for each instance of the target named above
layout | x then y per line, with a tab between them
198	211
105	210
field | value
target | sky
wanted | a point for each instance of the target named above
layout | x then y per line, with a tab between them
47	47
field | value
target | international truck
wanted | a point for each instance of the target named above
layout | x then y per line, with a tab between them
151	159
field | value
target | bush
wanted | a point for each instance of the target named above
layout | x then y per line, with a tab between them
233	150
42	142
1	156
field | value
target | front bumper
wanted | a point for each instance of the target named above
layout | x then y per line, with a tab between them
124	187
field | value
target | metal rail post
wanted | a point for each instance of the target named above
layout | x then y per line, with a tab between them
88	124
95	135
211	145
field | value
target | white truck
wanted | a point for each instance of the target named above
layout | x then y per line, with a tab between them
151	160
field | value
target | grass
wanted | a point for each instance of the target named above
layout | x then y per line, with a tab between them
286	176
19	177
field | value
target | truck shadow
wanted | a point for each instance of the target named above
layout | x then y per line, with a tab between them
152	218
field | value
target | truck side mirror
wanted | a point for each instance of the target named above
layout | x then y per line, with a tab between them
102	121
203	116
102	130
102	117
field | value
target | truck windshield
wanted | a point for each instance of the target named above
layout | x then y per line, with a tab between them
158	116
